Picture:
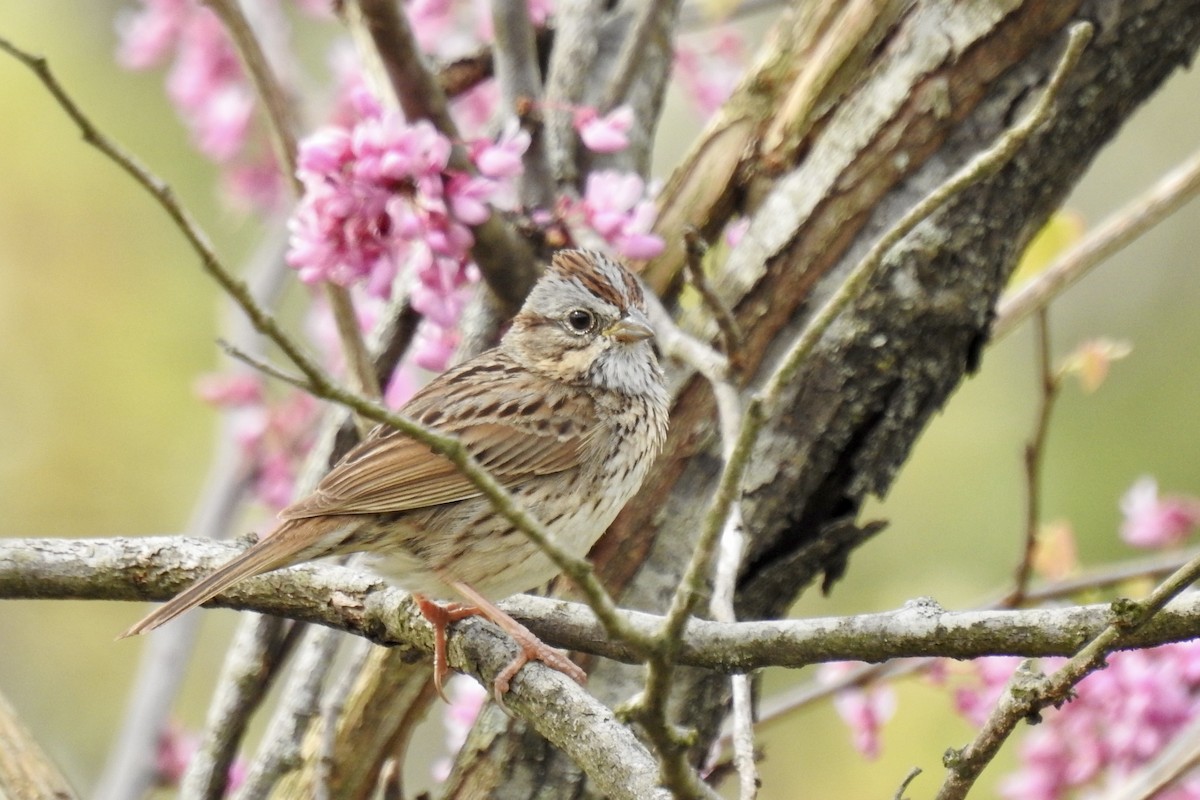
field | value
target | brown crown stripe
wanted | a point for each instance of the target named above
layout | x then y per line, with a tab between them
600	275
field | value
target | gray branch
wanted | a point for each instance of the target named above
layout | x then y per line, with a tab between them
155	568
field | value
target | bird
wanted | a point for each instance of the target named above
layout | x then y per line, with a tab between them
568	413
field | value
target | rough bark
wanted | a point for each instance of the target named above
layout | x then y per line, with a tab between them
942	82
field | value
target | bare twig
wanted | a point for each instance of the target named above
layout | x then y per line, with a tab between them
1048	387
519	77
258	648
282	750
909	778
655	21
387	46
1134	219
281	118
332	707
575	46
731	334
280	110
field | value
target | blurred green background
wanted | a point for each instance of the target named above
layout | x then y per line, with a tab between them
106	320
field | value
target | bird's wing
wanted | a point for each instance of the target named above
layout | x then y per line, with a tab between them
511	422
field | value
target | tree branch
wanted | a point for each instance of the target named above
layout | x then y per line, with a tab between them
154	568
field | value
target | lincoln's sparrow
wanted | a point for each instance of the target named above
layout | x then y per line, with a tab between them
568	413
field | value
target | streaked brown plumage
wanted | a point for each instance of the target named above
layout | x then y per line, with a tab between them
568	413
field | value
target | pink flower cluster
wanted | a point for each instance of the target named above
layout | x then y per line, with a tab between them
275	436
864	710
618	206
206	84
1152	521
709	70
466	701
176	749
1121	718
382	195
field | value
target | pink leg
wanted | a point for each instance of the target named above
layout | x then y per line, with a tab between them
440	615
532	648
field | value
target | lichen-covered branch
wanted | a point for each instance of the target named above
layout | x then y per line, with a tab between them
154	568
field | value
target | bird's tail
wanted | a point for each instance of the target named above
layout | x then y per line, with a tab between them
292	542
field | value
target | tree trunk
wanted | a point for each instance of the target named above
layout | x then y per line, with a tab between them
926	87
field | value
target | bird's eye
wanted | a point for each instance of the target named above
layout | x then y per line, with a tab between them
580	321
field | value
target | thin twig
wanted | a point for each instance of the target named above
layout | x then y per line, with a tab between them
631	60
280	110
731	333
1035	449
518	75
281	119
575	46
252	660
1131	221
282	749
332	707
909	778
262	365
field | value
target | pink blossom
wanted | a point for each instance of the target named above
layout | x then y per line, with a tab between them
207	86
230	389
1120	720
176	749
275	438
475	109
975	702
469	198
864	710
1154	521
380	196
433	347
466	701
604	134
615	206
402	386
708	71
736	230
502	158
433	21
540	11
149	34
253	184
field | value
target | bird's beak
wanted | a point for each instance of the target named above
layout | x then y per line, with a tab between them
633	327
